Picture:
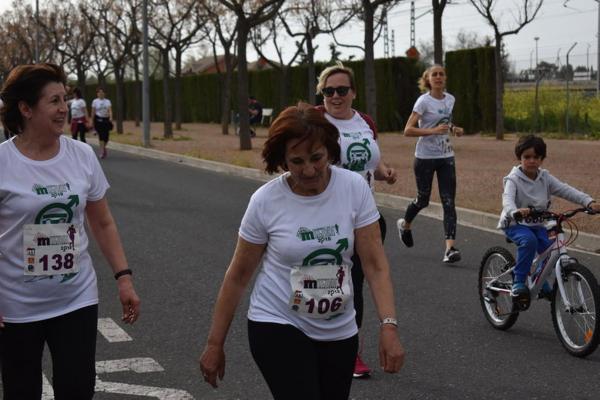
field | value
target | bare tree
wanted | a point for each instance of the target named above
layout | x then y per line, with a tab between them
373	14
21	28
112	21
222	30
524	14
272	31
71	37
313	18
248	15
438	49
174	25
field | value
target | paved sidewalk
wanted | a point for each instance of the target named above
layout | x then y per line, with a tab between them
477	219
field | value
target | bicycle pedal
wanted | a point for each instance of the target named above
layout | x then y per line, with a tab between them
522	302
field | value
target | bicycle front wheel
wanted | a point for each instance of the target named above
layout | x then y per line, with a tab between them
494	288
577	320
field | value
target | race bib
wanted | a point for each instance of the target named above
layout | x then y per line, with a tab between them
320	291
51	249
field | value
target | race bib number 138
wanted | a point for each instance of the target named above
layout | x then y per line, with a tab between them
51	249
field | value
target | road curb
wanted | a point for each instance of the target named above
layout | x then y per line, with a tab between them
466	217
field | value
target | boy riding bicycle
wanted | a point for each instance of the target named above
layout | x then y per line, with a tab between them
528	187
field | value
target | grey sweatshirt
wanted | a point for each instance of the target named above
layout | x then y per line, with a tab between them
520	192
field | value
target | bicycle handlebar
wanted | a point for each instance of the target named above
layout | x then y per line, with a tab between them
549	215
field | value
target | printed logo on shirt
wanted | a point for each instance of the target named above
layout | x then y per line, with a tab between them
320	234
358	155
327	256
51	190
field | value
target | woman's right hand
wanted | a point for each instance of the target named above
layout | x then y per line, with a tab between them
212	364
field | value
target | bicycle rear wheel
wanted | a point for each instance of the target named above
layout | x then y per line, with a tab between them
578	326
494	292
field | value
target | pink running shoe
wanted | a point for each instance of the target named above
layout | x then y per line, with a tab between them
361	370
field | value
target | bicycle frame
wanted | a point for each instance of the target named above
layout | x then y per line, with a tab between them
556	254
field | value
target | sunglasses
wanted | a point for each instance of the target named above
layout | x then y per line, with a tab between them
341	90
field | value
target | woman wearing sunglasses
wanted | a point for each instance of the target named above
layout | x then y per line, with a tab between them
360	153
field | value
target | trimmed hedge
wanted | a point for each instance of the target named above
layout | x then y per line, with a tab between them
396	77
471	79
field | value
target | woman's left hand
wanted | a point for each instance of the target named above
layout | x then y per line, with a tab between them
129	300
457	130
391	352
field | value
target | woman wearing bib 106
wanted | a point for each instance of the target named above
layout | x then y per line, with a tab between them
431	122
50	185
301	229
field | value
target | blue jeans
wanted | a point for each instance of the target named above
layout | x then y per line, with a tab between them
529	240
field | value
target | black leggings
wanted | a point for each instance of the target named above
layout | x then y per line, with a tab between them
71	339
446	177
297	367
358	276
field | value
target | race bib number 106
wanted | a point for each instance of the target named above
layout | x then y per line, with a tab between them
320	291
51	249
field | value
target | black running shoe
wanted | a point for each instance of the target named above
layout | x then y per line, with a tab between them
452	255
405	234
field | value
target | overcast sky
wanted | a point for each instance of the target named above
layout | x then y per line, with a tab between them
557	27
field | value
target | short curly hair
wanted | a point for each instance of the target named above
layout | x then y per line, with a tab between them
530	142
303	122
25	83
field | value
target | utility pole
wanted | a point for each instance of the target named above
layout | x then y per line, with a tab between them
36	56
146	79
386	38
567	72
598	53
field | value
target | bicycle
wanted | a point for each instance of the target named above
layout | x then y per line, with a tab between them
575	297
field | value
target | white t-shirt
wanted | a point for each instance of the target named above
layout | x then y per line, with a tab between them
299	230
101	107
78	108
51	191
360	151
434	112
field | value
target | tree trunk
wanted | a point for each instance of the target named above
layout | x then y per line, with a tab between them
499	89
168	108
370	90
312	73
242	106
81	80
226	95
438	50
138	89
178	116
120	84
284	87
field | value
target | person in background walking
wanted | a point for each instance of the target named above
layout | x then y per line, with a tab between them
431	122
102	114
79	116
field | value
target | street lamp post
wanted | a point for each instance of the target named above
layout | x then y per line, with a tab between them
537	87
598	53
567	77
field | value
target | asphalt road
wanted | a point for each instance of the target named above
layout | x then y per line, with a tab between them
179	227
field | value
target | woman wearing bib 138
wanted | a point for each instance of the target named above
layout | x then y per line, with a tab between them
431	122
301	229
50	185
359	153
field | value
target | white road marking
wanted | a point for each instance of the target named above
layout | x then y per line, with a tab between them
111	331
139	365
139	390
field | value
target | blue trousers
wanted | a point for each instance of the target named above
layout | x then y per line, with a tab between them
529	240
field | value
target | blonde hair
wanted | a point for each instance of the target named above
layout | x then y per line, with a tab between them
338	68
424	84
